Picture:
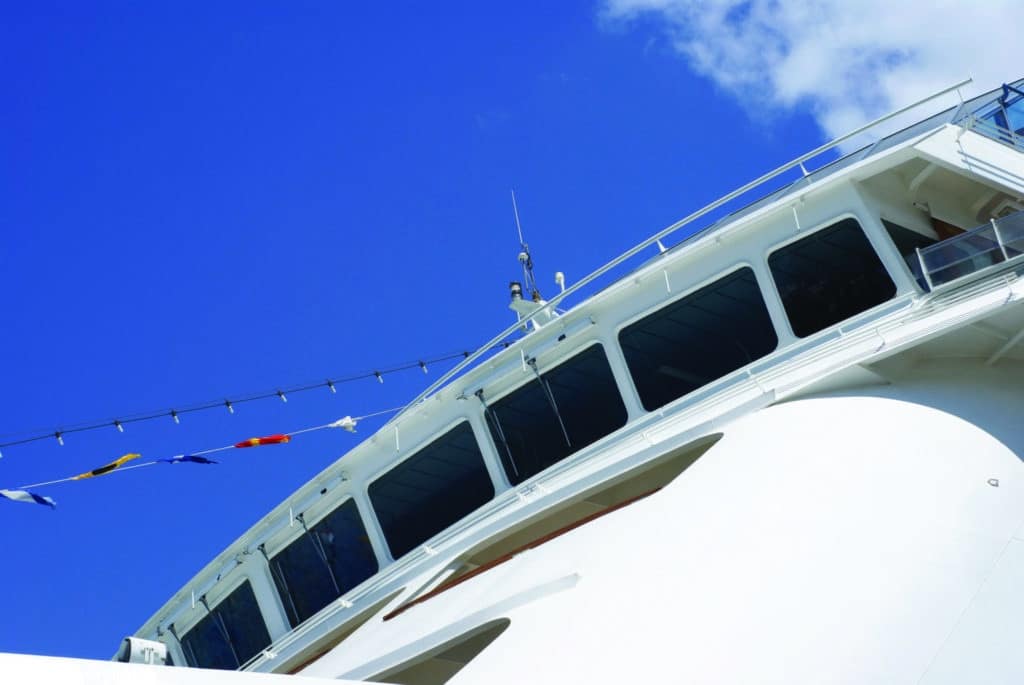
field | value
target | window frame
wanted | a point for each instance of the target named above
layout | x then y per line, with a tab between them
200	612
545	365
882	252
321	510
769	296
418	446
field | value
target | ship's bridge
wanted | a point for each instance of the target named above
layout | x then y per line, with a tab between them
618	396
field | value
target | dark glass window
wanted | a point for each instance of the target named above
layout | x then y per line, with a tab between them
566	409
431	490
829	276
908	242
231	634
698	339
324	563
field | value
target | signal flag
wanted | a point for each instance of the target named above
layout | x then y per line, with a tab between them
277	439
107	468
26	496
188	457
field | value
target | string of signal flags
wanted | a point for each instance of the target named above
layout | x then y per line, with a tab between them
27	494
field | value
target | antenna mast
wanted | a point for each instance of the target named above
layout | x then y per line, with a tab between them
524	256
522	307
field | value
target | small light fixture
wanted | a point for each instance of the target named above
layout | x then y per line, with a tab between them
282	396
380	378
227	403
118	426
330	385
60	438
174	415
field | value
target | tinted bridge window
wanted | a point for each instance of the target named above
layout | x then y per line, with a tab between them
325	562
698	339
231	634
431	490
829	276
558	413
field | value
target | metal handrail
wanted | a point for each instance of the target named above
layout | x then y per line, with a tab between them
987	241
992	131
549	306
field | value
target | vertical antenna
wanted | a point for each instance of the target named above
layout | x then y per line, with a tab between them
515	211
524	256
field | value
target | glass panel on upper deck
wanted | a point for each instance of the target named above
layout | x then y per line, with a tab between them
431	490
697	339
1008	111
829	276
231	634
323	563
1001	118
561	412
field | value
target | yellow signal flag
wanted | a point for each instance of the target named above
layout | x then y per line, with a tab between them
107	468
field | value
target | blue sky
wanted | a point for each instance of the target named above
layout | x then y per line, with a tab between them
199	201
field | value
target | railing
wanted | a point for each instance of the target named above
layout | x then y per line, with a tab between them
989	245
656	239
988	128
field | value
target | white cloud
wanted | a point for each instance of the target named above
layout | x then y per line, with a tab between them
846	61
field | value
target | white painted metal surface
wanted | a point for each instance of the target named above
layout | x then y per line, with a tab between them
30	668
867	538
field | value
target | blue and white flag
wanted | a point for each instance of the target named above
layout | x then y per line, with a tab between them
188	457
26	496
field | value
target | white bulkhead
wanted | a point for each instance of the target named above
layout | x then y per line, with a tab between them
869	537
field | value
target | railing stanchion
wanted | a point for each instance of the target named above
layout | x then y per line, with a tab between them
924	270
999	239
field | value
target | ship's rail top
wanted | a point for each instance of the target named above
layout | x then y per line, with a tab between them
976	114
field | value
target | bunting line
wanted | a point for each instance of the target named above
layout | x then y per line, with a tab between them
279	393
23	493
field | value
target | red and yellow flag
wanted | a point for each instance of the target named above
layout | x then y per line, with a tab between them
107	468
276	439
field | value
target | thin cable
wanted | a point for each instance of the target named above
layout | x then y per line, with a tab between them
392	410
175	412
211	451
71	478
378	413
208	451
307	430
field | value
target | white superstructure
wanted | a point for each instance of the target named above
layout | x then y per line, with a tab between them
787	449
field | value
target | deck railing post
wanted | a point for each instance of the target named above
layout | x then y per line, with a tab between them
999	239
924	270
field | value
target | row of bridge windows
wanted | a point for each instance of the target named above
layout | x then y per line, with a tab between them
821	280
